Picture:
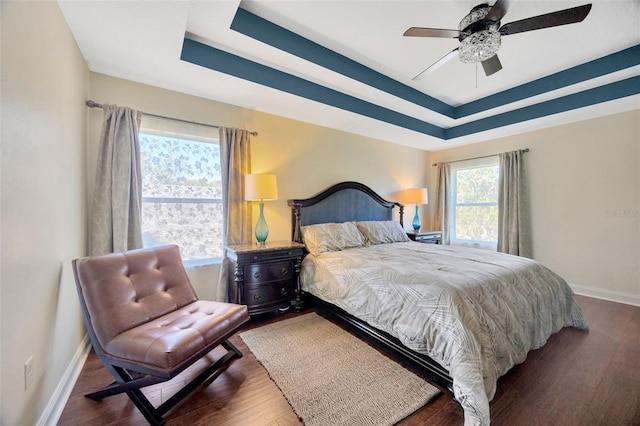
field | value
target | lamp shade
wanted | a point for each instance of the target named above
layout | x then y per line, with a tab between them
260	187
414	196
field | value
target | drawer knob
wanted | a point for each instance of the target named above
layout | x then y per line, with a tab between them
255	257
257	275
284	291
284	271
256	296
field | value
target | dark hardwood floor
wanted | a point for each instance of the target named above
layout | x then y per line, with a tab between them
577	378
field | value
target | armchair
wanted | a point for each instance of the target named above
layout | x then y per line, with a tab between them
147	325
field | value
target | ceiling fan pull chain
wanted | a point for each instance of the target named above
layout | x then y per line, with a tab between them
476	75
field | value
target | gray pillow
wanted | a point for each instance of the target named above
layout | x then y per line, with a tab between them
325	237
382	232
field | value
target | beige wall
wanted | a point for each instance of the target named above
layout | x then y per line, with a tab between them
584	188
585	200
306	158
43	216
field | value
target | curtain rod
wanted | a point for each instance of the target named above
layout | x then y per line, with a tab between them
93	104
475	158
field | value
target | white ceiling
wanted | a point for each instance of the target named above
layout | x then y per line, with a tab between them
142	41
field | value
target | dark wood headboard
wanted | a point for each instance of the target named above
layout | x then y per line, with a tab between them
342	202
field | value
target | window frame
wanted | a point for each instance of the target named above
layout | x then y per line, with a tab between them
477	163
185	131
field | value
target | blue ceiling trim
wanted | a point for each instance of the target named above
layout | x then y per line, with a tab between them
274	35
219	60
608	92
602	66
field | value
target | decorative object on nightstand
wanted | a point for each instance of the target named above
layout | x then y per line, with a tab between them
261	187
415	196
427	237
265	278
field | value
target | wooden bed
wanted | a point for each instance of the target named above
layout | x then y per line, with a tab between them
462	316
353	201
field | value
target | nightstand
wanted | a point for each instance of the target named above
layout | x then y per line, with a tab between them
265	278
427	237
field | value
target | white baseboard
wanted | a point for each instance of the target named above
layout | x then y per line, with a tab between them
611	295
58	400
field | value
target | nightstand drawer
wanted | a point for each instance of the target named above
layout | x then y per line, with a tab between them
269	255
428	238
260	273
265	278
268	294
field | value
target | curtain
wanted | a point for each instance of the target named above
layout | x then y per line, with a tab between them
443	202
235	159
514	233
117	201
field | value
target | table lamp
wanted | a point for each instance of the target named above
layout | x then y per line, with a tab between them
415	196
261	187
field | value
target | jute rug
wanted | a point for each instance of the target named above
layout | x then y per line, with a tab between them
332	378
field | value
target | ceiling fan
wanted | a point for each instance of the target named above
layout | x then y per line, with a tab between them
479	33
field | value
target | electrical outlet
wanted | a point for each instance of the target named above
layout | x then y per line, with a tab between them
28	373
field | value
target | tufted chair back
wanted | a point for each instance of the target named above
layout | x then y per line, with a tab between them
124	290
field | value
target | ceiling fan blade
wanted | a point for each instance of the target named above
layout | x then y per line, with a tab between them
431	32
437	64
497	11
491	65
553	19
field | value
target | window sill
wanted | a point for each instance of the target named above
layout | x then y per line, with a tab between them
202	262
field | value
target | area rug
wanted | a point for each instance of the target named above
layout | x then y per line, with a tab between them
331	377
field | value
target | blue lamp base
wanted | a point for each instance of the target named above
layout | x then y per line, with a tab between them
262	231
416	220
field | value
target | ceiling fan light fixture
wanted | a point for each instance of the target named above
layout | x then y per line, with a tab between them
480	32
479	46
477	14
479	38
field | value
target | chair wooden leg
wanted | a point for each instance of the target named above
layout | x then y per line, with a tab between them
146	408
211	371
131	383
230	348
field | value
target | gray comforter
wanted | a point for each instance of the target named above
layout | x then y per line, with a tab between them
475	312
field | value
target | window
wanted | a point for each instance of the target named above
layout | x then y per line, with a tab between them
181	187
475	202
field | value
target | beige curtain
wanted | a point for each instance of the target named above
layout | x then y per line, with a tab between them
117	200
441	220
235	159
514	231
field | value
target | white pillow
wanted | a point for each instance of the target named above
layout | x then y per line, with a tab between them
325	237
382	232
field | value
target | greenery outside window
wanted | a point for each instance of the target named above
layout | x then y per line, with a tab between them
475	203
181	188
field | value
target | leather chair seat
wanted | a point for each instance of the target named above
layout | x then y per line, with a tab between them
167	342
